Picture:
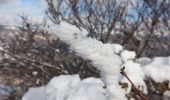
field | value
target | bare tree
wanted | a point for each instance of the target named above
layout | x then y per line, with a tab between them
103	19
155	28
97	16
33	46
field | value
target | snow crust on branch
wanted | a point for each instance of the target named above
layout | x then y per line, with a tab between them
107	58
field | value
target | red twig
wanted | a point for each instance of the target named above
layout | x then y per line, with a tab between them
133	86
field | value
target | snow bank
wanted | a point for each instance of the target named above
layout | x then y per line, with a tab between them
68	87
158	69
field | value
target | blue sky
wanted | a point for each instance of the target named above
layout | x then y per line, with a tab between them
10	9
34	9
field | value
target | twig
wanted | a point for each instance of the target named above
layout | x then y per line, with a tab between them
133	86
27	61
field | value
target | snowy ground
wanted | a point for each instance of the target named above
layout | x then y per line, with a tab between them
70	87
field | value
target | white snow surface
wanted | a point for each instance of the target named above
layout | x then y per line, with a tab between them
127	55
68	87
35	94
158	69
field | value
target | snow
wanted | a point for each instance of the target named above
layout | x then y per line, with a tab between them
67	28
158	69
127	55
35	94
135	73
117	48
108	59
103	57
59	87
143	60
68	87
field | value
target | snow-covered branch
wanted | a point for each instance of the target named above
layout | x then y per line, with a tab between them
107	58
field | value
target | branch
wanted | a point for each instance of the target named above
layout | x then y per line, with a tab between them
133	86
31	62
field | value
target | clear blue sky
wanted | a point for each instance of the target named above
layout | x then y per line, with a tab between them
10	9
